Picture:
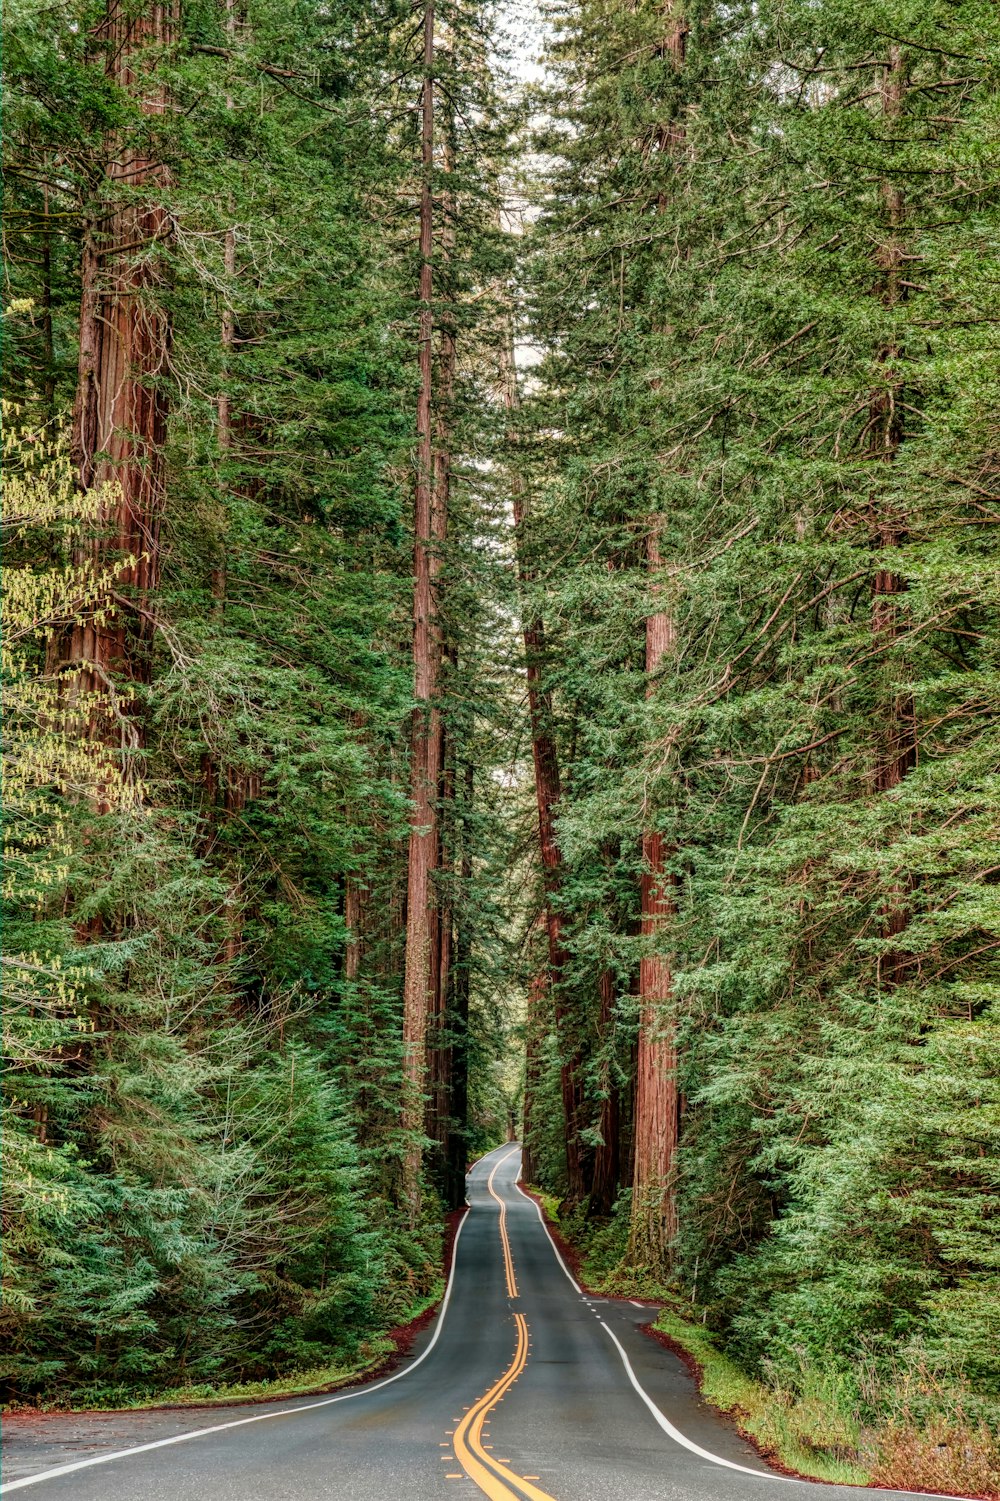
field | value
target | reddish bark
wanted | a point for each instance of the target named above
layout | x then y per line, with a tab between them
458	1019
439	1058
656	1099
352	922
120	412
547	789
656	1117
534	1031
420	915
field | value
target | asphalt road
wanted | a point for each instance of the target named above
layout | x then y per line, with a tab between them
523	1390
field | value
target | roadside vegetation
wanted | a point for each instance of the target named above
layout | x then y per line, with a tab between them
502	625
896	1428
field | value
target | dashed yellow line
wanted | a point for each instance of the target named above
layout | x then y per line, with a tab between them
491	1475
508	1260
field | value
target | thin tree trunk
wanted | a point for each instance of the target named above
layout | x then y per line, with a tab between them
656	1099
48	343
420	918
458	1022
352	922
607	1157
442	767
438	1050
547	789
534	1031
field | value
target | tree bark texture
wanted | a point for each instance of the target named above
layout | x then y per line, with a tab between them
120	412
423	839
607	1156
654	1218
439	1056
535	1028
456	1146
656	1118
547	789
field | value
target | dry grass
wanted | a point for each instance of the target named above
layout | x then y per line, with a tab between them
931	1442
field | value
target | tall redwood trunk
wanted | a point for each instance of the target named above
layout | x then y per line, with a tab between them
439	1059
534	1032
458	1011
439	1056
420	914
120	412
656	1118
656	1099
547	789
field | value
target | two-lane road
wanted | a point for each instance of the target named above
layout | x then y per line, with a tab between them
525	1390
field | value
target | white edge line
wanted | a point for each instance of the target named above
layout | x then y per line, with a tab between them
675	1433
260	1417
681	1438
555	1249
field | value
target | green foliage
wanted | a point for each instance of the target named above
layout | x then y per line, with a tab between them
203	1138
762	284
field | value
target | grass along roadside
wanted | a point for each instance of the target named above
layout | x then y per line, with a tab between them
926	1439
372	1353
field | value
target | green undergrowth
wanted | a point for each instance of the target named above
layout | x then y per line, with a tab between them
371	1353
812	1431
904	1428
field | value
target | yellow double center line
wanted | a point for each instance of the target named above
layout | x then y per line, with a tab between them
508	1260
492	1476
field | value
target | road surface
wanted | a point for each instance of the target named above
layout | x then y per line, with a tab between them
525	1389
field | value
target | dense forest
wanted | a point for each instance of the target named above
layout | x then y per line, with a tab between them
502	637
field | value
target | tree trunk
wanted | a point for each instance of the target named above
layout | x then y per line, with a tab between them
420	916
120	412
607	1157
457	1146
546	762
439	1059
439	1056
655	1126
656	1100
534	1032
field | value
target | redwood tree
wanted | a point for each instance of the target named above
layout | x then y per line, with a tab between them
120	412
421	920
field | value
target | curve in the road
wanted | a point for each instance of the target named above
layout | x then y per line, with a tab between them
663	1421
660	1417
575	1409
508	1260
258	1417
